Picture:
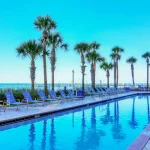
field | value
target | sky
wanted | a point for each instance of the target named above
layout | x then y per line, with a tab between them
123	23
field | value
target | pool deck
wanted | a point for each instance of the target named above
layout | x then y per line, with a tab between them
13	115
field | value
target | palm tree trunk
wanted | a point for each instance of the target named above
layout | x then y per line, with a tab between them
117	74
147	74
93	75
107	75
53	62
83	69
32	74
114	73
132	72
45	68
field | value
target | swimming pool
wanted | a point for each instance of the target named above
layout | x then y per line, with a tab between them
112	125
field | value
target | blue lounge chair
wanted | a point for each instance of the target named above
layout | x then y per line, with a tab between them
106	91
72	94
119	91
101	91
89	92
43	97
109	91
63	95
142	88
11	100
53	95
28	99
113	90
94	92
3	105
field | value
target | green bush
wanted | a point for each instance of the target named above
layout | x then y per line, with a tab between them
2	96
18	94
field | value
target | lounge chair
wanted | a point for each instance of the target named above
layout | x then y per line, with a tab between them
53	95
94	92
102	92
89	92
43	97
142	88
106	92
63	95
109	91
122	90
28	99
72	94
119	91
3	105
114	91
10	99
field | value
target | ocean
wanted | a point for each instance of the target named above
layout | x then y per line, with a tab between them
57	85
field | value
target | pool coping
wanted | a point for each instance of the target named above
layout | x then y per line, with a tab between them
140	142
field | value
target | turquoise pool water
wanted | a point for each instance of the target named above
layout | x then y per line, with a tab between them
112	125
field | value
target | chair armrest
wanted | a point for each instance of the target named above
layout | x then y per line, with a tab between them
40	99
3	102
26	99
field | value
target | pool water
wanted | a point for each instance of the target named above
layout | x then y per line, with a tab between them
112	125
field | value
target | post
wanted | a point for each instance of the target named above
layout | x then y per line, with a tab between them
73	79
148	75
100	83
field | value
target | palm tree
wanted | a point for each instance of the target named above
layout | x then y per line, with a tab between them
30	49
147	56
131	61
45	24
82	48
93	57
116	56
55	41
107	67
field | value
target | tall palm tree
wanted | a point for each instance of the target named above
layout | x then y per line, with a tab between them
147	56
107	67
93	57
131	61
116	56
82	48
55	41
45	24
30	49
